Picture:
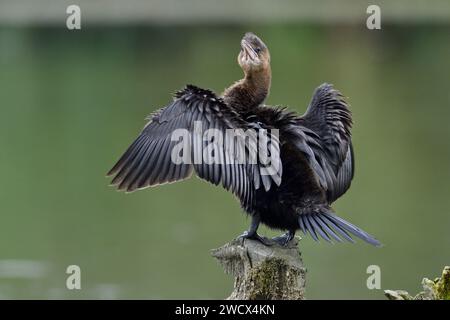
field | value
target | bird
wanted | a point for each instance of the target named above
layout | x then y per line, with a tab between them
312	153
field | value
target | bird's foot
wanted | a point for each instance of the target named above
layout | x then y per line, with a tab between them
255	236
284	239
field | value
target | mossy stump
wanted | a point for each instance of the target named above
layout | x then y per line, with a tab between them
263	272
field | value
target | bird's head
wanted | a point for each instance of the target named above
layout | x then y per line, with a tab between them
254	55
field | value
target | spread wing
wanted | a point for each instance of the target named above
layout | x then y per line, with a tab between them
327	123
173	145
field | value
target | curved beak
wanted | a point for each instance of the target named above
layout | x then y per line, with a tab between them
249	53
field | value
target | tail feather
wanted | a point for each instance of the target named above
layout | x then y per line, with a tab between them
311	229
327	229
329	225
319	230
338	229
302	224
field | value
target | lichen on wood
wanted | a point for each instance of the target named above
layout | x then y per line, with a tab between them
263	272
437	289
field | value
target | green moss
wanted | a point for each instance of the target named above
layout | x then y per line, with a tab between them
442	285
272	280
439	289
265	279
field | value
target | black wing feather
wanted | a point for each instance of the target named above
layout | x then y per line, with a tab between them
325	129
147	162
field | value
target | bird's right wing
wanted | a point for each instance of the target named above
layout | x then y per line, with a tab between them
149	161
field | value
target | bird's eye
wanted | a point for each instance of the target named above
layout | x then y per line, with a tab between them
257	50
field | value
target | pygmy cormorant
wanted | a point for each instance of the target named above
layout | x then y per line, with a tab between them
313	153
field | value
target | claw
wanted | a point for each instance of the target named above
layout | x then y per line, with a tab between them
255	236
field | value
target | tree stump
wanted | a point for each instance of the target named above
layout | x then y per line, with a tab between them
263	272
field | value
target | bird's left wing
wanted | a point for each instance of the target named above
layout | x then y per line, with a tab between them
326	132
149	161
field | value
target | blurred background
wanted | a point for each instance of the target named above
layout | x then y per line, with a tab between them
72	101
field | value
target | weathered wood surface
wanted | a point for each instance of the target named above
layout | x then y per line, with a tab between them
263	272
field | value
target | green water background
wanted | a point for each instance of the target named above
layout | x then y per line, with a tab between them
71	102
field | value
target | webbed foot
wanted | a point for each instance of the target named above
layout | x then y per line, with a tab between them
255	236
252	234
284	239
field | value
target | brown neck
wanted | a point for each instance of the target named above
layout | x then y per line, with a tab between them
250	91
